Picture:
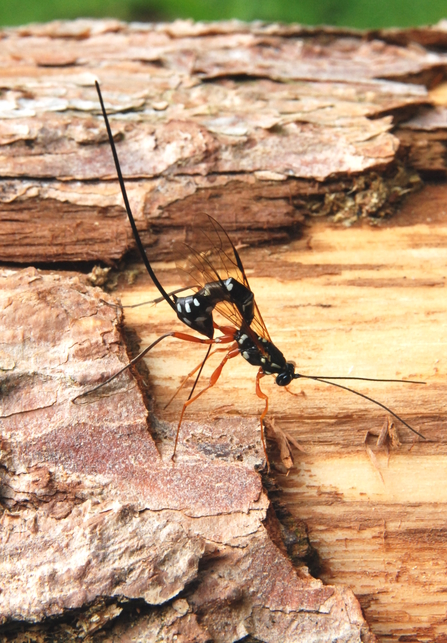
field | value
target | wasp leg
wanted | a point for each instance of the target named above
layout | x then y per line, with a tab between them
199	366
234	350
226	331
263	396
184	336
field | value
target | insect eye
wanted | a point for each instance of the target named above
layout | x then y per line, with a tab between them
284	378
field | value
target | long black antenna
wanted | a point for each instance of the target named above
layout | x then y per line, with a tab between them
370	399
362	379
127	205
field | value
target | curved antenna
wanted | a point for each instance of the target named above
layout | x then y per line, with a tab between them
127	206
362	379
131	363
145	303
366	397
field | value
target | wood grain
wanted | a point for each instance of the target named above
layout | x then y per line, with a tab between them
280	132
367	302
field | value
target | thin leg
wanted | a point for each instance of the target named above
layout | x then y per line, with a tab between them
196	381
199	366
225	330
224	339
263	396
234	350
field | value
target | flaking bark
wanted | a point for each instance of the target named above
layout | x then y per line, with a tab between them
268	128
251	124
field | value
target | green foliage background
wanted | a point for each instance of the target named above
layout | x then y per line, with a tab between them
364	14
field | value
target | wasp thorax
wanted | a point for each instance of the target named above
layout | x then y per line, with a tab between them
195	311
265	354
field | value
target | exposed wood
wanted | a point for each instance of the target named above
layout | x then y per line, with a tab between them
364	302
267	128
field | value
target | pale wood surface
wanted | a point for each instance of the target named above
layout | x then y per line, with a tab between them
266	127
362	301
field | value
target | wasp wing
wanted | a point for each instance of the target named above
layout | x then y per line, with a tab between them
210	256
210	253
257	329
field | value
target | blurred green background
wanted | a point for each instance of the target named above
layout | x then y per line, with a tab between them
364	14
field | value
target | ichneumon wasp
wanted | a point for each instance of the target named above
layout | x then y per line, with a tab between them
216	276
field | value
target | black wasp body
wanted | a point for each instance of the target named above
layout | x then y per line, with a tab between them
270	360
196	311
215	273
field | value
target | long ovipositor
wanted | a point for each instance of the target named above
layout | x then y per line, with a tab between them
220	283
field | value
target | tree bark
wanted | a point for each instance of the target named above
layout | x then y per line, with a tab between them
296	137
307	133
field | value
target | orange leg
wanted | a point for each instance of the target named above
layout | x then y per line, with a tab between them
224	339
234	350
263	396
225	330
218	350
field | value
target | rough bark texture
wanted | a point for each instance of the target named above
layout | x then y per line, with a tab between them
366	302
92	512
261	126
266	128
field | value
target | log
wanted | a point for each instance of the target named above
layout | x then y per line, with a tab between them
289	144
366	302
92	511
282	133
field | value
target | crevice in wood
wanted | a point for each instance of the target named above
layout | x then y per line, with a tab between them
266	127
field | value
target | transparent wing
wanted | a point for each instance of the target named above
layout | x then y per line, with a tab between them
208	255
257	327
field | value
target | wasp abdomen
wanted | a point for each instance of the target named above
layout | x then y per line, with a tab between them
196	311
